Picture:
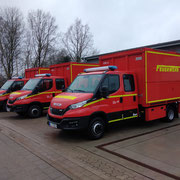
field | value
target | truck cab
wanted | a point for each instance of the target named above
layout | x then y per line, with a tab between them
36	95
98	97
10	86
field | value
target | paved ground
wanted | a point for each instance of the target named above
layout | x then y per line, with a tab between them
29	149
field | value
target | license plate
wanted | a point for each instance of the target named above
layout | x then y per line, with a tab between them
53	125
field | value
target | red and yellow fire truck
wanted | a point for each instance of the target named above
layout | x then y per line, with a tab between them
36	95
140	83
10	86
30	73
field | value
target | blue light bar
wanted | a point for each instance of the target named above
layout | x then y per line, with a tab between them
102	68
42	75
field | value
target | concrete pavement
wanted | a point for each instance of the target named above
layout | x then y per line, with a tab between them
72	156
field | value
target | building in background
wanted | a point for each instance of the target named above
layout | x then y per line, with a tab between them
167	46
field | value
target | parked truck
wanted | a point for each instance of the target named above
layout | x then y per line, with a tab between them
36	95
30	73
10	86
140	83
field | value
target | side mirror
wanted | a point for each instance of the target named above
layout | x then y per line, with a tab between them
104	92
64	89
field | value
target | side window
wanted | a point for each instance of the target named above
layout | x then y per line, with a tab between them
112	83
128	82
45	85
17	85
60	84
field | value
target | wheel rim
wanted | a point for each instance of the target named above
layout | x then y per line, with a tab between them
35	112
98	128
171	114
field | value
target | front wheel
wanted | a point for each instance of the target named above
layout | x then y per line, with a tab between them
170	114
5	106
96	128
34	111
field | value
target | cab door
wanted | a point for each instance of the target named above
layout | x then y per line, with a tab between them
112	105
60	85
129	98
45	94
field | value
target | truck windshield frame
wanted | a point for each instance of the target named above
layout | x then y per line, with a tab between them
7	85
87	83
31	84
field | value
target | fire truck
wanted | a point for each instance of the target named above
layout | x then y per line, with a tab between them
30	73
10	86
36	95
140	83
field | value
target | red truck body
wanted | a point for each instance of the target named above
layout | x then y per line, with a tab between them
30	73
146	85
10	86
38	92
69	70
157	72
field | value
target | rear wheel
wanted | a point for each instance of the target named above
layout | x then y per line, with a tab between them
34	111
96	128
170	114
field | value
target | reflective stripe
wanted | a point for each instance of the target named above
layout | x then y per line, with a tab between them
5	94
109	97
126	95
94	102
16	93
66	97
43	93
115	120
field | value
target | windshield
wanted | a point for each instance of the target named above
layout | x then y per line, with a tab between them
85	83
7	85
31	84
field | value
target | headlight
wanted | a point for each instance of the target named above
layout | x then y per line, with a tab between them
22	97
78	105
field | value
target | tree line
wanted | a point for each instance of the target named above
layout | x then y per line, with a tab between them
37	42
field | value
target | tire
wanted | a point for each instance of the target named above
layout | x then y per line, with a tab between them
5	106
170	114
34	111
96	128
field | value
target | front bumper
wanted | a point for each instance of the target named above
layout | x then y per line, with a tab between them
74	123
18	108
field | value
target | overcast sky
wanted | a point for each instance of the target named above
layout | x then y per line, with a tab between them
115	24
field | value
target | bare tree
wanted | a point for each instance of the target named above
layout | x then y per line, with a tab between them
78	41
42	29
11	30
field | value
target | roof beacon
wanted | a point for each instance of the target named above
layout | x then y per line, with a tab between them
17	77
103	68
42	75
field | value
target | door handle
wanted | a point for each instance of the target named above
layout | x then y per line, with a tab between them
121	99
134	98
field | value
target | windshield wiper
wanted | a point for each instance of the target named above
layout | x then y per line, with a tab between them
79	90
69	90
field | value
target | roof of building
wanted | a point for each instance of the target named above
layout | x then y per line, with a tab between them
154	46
